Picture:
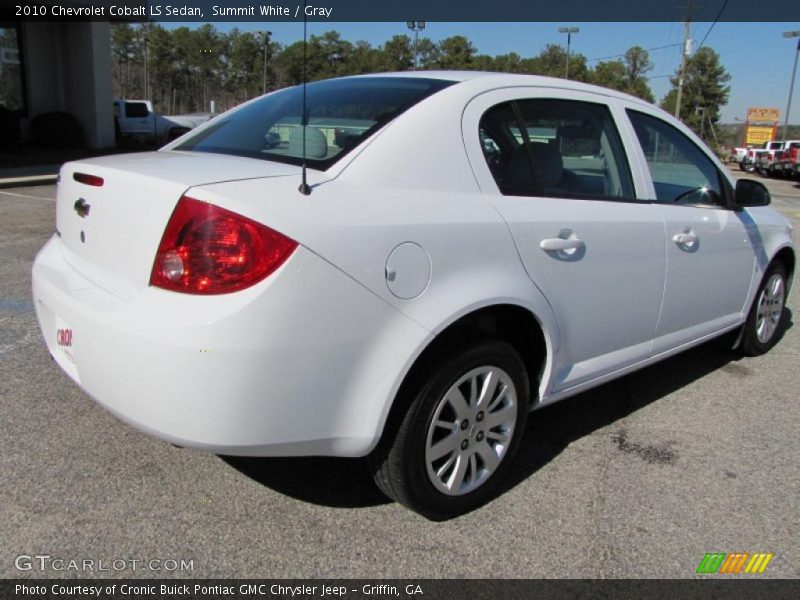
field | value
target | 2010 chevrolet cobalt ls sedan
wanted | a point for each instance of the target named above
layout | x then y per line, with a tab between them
473	246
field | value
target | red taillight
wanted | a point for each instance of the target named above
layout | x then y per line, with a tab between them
209	250
88	179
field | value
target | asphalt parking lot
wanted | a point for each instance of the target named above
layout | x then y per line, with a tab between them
638	478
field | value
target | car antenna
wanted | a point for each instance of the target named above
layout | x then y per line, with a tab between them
304	188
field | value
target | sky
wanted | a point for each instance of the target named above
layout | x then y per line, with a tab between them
757	56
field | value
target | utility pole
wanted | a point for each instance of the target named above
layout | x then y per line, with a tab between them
701	110
266	35
686	49
790	34
569	31
264	81
144	38
416	27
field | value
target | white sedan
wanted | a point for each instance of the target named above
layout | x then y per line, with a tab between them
470	247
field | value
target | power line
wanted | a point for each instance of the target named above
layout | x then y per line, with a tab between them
669	57
689	85
620	55
719	14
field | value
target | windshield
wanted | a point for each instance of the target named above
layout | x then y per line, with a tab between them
340	114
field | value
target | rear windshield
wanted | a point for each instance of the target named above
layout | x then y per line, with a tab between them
340	114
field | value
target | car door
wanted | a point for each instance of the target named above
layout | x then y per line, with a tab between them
137	119
710	247
555	167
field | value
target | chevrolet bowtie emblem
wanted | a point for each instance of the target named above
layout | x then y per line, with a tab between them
82	207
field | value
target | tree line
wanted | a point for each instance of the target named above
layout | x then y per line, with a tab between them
187	68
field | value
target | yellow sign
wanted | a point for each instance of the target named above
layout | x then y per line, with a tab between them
758	135
759	115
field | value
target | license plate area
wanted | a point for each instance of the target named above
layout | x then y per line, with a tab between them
64	340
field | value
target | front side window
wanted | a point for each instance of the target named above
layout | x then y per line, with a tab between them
340	114
681	172
559	148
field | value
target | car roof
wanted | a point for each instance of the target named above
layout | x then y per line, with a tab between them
490	80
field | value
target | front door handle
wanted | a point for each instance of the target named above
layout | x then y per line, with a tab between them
561	244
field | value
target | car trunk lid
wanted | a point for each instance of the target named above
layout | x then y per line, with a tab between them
110	230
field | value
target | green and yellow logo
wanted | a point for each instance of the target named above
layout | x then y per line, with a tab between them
720	562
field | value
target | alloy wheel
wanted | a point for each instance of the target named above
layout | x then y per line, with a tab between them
471	430
770	307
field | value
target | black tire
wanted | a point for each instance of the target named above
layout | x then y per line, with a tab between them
751	344
399	463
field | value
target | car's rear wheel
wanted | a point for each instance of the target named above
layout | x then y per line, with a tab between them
765	320
446	454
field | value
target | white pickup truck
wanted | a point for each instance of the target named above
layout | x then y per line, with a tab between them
751	158
770	162
737	155
136	119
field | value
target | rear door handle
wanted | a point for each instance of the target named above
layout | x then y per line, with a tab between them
685	239
556	244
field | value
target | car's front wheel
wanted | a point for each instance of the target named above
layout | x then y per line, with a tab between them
764	323
448	451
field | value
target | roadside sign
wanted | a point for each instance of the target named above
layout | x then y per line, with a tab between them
763	115
758	135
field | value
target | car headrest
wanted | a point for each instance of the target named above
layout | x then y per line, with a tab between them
548	163
316	142
519	177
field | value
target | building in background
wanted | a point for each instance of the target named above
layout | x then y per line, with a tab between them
49	67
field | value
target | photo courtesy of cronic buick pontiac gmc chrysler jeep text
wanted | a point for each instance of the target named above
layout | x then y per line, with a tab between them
471	246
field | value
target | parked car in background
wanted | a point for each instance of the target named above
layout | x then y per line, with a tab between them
750	159
769	162
737	156
546	237
788	159
136	119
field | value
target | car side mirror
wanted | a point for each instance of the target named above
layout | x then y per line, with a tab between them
751	193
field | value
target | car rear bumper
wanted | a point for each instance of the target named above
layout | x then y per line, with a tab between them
304	363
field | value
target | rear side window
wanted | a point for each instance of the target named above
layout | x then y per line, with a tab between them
136	110
340	114
559	148
681	172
